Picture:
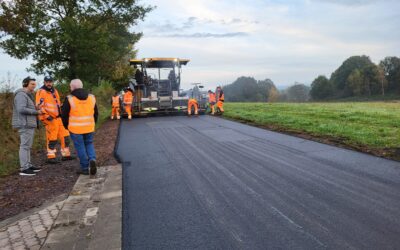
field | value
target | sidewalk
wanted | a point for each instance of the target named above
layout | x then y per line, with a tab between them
90	218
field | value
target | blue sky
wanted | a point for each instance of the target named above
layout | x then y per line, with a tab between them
285	41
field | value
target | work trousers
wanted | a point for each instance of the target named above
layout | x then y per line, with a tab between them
220	106
56	131
115	112
212	107
84	148
190	105
128	109
26	140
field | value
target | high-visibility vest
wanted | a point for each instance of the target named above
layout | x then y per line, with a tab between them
115	101
81	114
212	97
50	103
128	98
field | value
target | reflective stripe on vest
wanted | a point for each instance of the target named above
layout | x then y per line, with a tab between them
115	101
81	115
50	103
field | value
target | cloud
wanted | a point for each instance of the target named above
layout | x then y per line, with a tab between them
207	35
349	2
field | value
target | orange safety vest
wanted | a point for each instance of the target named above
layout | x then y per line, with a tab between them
50	103
115	101
211	97
128	98
81	115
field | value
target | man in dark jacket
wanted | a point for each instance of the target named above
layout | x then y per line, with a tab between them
79	114
24	119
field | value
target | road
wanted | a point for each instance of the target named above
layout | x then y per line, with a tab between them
209	183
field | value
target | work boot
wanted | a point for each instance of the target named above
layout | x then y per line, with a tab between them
92	167
68	158
52	161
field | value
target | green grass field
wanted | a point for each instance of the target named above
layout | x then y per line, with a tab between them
375	125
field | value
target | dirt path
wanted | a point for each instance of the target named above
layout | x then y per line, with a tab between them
21	193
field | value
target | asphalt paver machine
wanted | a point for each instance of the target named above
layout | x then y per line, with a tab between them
157	86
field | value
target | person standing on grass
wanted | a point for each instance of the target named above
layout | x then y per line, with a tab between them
24	119
79	115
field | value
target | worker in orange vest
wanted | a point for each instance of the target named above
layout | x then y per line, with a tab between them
220	99
79	115
128	100
193	103
48	99
115	106
212	100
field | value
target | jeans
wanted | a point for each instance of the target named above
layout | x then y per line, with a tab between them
85	149
26	137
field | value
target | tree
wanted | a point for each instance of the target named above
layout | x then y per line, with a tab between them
391	69
340	76
71	38
298	93
321	88
355	82
247	89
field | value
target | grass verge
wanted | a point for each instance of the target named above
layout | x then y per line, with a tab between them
372	127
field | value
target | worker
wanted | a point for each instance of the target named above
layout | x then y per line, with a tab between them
128	100
220	99
49	100
138	75
212	100
193	103
79	115
115	106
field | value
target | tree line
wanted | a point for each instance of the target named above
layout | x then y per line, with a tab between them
248	89
359	76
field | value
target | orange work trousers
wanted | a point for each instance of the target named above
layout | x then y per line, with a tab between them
212	107
192	104
128	110
55	131
115	112
220	106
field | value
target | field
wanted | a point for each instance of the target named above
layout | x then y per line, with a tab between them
372	127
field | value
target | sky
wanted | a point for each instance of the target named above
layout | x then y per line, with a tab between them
286	41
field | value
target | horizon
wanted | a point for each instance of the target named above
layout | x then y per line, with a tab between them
285	41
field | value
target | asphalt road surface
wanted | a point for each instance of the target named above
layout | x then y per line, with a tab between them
208	183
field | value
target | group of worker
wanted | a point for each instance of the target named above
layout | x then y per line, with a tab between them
214	99
127	99
217	99
74	119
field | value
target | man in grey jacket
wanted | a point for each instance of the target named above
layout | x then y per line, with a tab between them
24	119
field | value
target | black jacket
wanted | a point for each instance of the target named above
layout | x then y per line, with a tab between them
81	94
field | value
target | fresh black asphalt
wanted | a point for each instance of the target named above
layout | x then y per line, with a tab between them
208	183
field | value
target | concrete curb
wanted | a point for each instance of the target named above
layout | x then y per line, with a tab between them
91	216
